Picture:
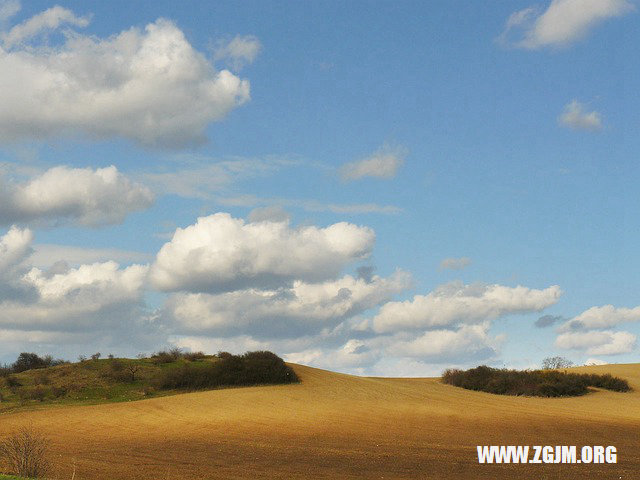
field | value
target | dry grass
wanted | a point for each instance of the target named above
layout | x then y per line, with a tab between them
337	426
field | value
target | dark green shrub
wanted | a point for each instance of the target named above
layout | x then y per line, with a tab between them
543	383
252	368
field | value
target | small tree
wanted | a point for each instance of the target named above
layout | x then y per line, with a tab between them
132	369
551	363
96	356
26	453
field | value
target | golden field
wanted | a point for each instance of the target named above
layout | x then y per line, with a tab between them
337	426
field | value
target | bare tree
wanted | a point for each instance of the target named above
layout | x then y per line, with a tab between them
132	369
26	453
551	363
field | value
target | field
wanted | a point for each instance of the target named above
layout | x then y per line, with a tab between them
336	426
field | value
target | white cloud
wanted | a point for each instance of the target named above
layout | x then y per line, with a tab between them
601	317
455	263
78	195
150	86
220	253
48	20
15	247
469	342
564	22
240	51
576	117
594	361
88	297
303	309
457	303
384	163
598	342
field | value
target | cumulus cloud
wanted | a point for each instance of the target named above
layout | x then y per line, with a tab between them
455	302
576	117
150	86
564	22
77	298
303	309
15	248
468	342
220	253
240	51
384	163
77	195
455	263
602	317
598	342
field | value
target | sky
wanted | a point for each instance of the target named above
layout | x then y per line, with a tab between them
377	188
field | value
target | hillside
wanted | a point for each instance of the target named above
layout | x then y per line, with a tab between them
337	426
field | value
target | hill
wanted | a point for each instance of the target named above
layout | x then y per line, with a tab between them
337	426
124	379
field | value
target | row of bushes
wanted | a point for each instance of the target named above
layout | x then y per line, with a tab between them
252	368
541	383
175	354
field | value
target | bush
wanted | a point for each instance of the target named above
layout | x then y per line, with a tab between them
252	368
541	383
193	356
25	452
167	356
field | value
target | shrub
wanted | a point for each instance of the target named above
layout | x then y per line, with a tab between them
542	383
193	356
26	453
166	356
252	368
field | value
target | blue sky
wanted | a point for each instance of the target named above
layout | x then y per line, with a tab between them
386	188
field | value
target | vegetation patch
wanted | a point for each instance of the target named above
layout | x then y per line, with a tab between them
252	368
538	383
98	380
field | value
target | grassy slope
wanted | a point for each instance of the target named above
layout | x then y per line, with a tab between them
337	426
87	382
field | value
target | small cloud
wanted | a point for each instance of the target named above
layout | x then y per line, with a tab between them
564	22
455	263
548	320
384	163
594	361
240	51
576	117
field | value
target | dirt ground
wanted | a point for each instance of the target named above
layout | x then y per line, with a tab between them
339	427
